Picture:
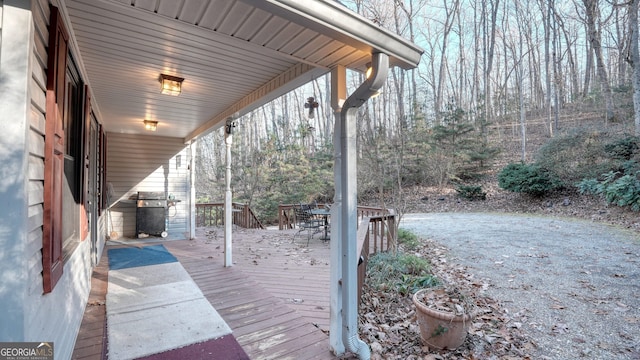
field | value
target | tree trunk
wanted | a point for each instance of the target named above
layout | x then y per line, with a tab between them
573	74
489	48
547	62
634	55
593	17
450	14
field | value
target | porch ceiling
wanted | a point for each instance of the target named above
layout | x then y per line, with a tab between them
234	55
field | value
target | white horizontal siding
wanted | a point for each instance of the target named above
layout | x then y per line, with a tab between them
46	315
148	163
36	148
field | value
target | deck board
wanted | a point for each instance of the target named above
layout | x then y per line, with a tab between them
275	298
90	342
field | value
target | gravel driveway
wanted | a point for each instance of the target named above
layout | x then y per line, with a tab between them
572	285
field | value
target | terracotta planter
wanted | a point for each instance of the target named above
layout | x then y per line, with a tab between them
441	329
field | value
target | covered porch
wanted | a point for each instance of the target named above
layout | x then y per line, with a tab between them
224	59
275	298
108	101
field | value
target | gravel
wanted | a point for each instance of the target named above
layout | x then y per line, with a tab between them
572	286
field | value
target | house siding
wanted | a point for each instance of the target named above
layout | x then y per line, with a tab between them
40	12
16	43
148	163
27	313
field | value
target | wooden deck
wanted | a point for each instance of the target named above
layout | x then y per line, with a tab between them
275	298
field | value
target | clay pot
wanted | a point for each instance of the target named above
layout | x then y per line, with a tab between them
441	329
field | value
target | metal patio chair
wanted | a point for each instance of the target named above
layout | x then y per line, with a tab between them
306	221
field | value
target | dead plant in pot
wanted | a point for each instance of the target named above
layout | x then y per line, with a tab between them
444	315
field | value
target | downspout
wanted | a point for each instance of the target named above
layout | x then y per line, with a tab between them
349	216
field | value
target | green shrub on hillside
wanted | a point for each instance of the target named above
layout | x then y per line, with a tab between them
622	149
530	179
577	155
619	190
471	192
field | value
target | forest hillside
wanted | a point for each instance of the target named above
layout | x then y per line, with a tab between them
523	106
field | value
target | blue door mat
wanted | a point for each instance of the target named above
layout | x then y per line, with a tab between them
123	258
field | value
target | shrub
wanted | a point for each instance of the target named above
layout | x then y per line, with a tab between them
619	190
589	187
470	192
622	149
530	179
624	191
408	240
577	155
404	273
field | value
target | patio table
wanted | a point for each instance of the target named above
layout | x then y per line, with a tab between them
325	213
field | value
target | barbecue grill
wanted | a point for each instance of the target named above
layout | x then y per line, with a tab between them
151	210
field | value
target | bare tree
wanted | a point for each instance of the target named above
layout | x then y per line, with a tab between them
489	42
592	12
634	60
573	72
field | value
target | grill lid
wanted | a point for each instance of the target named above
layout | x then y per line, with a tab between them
151	195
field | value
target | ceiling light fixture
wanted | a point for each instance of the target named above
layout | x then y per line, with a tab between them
171	85
150	125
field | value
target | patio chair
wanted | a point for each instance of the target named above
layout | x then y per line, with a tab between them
307	222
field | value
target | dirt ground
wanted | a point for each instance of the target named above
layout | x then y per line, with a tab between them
570	286
566	288
562	204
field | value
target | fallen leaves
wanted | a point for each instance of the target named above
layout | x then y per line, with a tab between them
388	321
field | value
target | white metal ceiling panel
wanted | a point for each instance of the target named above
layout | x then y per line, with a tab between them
170	8
193	10
298	41
149	5
272	28
256	22
230	23
215	13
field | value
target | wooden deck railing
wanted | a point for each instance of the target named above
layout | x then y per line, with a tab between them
287	219
212	214
375	234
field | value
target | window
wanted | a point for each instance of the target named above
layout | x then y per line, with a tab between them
72	190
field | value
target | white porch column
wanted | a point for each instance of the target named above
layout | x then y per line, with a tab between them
228	208
192	189
338	96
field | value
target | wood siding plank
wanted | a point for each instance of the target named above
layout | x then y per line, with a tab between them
148	163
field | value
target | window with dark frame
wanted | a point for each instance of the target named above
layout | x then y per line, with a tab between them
73	122
67	115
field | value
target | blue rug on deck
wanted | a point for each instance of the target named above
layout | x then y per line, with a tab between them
124	258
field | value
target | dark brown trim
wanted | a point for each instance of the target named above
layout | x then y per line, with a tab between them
52	262
101	197
84	171
103	168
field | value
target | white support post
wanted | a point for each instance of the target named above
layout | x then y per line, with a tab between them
338	96
228	206
192	189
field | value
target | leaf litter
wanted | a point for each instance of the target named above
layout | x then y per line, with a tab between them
388	319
